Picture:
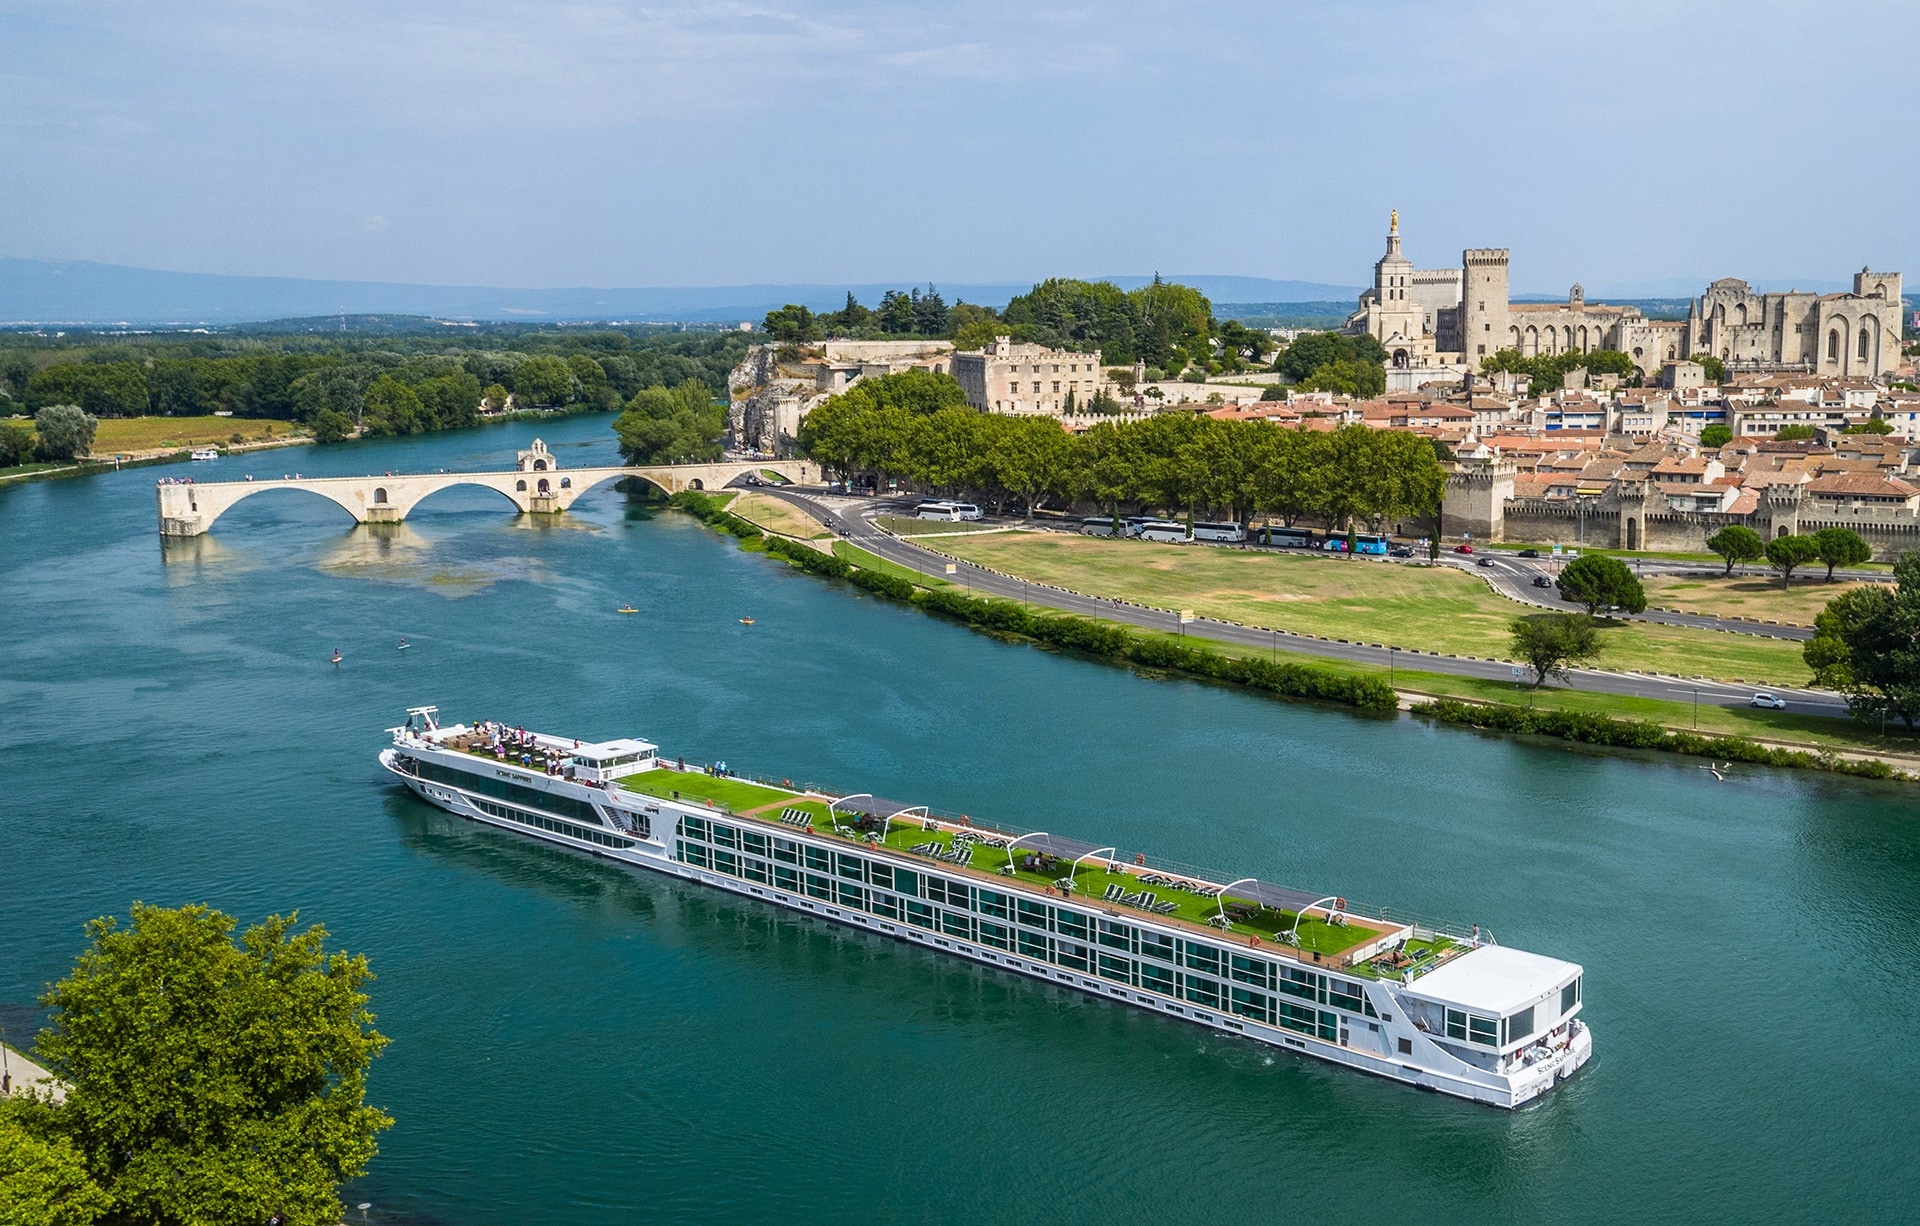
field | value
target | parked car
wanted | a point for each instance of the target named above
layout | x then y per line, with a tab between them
1484	561
1542	581
1772	702
1529	553
1463	549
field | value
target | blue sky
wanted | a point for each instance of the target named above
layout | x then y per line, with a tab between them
621	144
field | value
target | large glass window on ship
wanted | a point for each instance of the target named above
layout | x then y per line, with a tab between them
533	798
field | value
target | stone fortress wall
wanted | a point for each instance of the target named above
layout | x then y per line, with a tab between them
1479	503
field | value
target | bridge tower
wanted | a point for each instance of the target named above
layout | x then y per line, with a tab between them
542	490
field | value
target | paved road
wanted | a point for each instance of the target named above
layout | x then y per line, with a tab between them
851	519
1513	576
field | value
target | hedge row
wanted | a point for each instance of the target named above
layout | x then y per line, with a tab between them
1120	643
1592	729
709	511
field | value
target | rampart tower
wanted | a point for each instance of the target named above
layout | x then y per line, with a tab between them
1483	306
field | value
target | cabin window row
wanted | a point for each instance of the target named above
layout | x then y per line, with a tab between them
1037	915
541	822
502	789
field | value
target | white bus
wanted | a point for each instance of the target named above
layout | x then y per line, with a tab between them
967	510
1163	530
1100	525
1227	534
937	510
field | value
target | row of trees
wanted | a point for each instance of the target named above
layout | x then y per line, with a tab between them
916	427
1167	326
1737	543
386	385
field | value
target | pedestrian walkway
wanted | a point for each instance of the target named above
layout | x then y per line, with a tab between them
17	1073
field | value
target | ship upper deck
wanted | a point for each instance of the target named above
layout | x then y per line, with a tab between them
1317	929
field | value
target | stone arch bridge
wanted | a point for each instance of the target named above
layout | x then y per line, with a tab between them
189	509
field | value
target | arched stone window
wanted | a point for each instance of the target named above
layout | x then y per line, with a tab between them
380	493
1864	342
1833	345
566	483
519	487
545	487
1740	314
539	466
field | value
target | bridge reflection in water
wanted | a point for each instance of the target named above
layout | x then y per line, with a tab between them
536	485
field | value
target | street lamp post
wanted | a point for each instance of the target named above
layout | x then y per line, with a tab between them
1390	655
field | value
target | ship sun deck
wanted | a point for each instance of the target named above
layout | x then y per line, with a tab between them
1320	930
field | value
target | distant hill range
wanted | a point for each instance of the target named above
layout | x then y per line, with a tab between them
77	292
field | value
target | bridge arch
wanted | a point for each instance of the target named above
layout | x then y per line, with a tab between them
231	498
498	487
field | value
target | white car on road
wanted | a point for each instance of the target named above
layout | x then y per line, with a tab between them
1773	702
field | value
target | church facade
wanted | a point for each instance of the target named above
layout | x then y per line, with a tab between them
1435	323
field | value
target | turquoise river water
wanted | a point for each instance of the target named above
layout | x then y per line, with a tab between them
575	1042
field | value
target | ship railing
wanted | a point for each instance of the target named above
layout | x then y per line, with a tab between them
1423	926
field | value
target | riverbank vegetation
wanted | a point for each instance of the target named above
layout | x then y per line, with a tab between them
1093	637
206	1080
431	377
1816	734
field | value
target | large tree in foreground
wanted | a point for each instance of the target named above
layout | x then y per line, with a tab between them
212	1082
680	425
1866	644
1786	553
1553	644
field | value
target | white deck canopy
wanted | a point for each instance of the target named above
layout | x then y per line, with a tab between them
603	752
1495	979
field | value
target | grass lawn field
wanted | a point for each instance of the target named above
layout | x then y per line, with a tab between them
1750	595
777	516
866	561
733	793
1431	608
146	433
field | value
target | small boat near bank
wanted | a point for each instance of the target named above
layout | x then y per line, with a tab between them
1294	969
204	453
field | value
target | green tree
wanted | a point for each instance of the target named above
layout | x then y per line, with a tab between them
1716	436
16	445
1601	583
1841	547
792	324
331	426
681	425
1737	543
1553	644
65	431
1350	377
496	397
1786	553
1794	433
543	380
1873	425
43	1178
392	408
1714	370
1866	645
212	1082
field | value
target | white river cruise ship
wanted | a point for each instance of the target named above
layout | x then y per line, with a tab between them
1435	1008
